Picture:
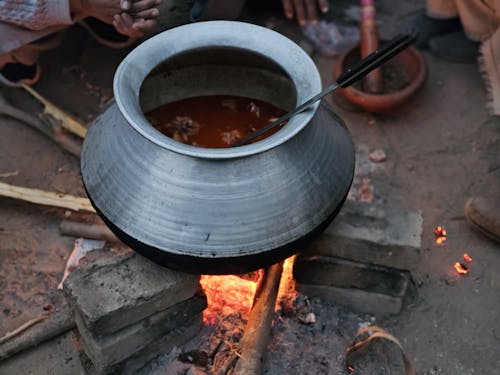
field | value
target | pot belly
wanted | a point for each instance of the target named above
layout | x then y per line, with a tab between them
217	216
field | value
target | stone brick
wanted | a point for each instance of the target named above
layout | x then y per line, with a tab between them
366	288
106	351
164	344
368	233
117	294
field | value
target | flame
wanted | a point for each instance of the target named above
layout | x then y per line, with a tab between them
440	234
461	268
231	294
467	258
226	295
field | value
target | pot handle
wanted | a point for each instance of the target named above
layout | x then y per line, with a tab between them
375	59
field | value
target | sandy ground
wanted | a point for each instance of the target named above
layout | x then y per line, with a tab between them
435	161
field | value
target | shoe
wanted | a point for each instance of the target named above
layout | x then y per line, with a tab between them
426	28
455	47
484	215
105	34
16	74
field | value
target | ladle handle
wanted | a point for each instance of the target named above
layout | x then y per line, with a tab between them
347	78
363	67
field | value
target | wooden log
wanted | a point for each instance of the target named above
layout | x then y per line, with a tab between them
258	328
22	328
46	198
67	121
54	133
92	231
59	320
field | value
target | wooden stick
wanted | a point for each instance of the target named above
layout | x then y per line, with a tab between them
92	231
46	198
63	140
69	122
258	328
22	328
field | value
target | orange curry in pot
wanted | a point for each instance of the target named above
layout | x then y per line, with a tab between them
214	121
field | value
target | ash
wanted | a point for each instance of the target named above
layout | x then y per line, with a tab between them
294	347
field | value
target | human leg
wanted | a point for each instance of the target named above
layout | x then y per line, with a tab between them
20	65
479	19
482	210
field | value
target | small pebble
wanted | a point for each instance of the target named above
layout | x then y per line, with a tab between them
378	156
372	121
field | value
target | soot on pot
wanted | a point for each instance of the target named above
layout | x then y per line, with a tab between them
215	121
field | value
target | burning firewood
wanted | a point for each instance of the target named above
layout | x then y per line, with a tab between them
247	359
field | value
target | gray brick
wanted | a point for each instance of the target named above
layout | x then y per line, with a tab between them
366	288
367	233
117	294
106	351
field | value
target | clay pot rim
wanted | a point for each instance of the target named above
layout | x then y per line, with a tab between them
407	91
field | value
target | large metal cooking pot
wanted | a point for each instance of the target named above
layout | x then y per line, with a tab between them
216	210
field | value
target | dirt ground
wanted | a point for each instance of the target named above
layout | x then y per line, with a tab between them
435	161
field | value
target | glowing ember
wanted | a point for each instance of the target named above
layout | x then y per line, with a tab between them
440	234
230	294
467	258
461	268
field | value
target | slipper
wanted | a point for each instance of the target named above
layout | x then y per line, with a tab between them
17	74
105	34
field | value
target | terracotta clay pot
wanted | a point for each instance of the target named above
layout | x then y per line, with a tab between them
410	61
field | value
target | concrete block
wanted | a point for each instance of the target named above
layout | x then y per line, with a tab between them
118	294
366	288
164	344
109	350
367	233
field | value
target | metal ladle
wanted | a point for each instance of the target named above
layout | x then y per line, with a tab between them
358	71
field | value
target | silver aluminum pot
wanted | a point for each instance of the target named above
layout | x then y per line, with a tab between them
216	210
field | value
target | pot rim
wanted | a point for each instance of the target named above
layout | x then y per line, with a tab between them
286	54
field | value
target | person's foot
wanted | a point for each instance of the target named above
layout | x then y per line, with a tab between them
455	47
484	215
427	27
105	34
16	74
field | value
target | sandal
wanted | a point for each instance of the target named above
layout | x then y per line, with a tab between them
17	74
